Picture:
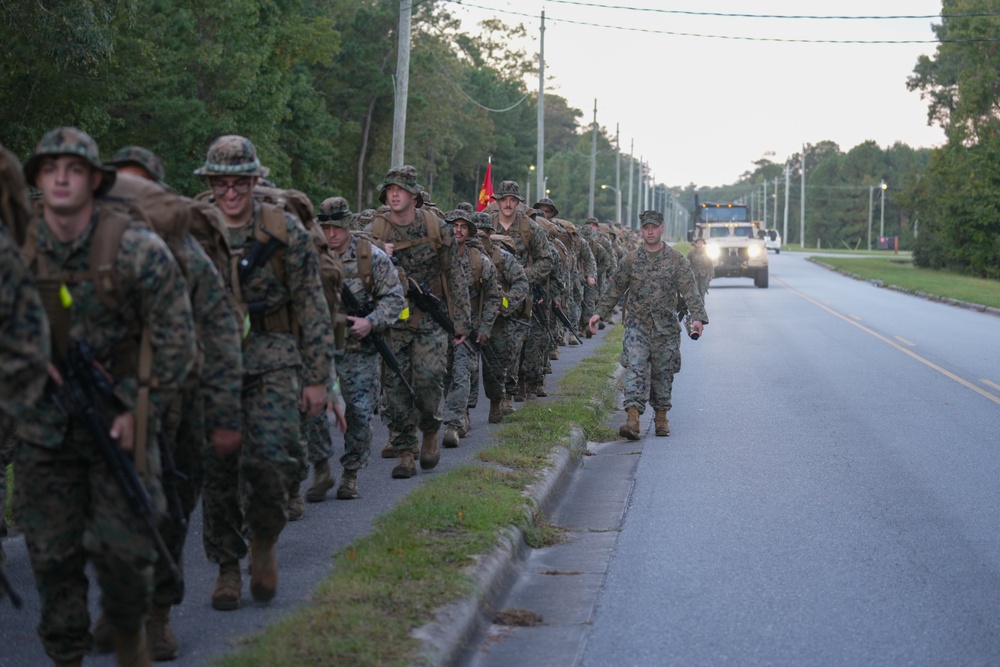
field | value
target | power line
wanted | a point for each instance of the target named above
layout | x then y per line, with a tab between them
673	33
770	16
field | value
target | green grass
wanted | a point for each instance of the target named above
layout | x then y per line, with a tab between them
391	581
900	272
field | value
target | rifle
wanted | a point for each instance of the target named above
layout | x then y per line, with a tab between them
354	308
171	476
557	309
83	381
428	302
5	587
683	316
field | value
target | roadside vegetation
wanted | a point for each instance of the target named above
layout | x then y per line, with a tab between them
901	273
414	561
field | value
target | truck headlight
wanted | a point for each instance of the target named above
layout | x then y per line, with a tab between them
754	250
712	251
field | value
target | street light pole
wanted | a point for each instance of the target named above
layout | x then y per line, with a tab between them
871	192
881	219
618	198
528	189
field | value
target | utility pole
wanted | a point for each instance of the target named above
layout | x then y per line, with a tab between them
540	157
631	168
402	83
774	223
784	229
802	201
618	176
593	162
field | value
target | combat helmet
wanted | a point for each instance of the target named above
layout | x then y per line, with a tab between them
140	157
69	141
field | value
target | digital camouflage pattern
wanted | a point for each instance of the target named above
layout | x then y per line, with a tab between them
24	333
69	141
360	367
231	155
406	178
419	343
334	211
82	512
275	366
649	286
140	157
702	266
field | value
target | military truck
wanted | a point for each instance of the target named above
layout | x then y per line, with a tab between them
732	240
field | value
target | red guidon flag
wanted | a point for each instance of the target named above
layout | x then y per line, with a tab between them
486	192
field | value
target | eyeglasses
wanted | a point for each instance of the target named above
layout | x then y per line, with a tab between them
240	187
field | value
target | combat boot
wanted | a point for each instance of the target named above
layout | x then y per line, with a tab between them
159	634
405	468
389	452
348	489
465	426
131	648
540	389
322	482
296	508
507	407
600	325
450	440
554	354
661	423
496	411
586	332
430	451
264	578
228	587
630	429
573	340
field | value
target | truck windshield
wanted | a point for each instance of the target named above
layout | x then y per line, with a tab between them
724	213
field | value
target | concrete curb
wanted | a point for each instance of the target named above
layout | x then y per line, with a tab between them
455	626
989	310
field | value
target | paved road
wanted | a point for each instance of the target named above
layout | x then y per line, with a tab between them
828	497
304	556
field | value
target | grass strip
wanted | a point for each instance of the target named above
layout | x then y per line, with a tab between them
390	582
901	273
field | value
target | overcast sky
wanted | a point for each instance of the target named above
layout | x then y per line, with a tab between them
703	109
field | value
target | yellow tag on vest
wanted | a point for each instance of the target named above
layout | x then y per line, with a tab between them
505	303
405	314
65	298
246	325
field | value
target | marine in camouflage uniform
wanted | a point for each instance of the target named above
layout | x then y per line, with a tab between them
204	419
501	352
650	279
419	343
702	265
275	366
485	303
376	288
535	255
604	262
24	329
82	513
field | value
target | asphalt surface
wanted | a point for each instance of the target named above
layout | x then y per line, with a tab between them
828	496
305	552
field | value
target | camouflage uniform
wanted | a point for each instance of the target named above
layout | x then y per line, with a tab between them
24	352
274	364
419	343
82	512
359	367
209	400
485	303
650	283
535	255
703	267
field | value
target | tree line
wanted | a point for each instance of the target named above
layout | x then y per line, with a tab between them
311	82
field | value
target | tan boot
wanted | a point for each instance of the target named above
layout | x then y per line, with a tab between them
296	508
554	354
228	587
104	640
406	467
507	407
496	411
322	482
430	451
465	426
661	423
540	389
450	440
159	634
131	648
389	452
630	429
348	489
264	578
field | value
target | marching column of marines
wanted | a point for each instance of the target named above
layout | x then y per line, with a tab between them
159	349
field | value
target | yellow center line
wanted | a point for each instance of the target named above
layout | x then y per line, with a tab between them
904	341
888	341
